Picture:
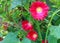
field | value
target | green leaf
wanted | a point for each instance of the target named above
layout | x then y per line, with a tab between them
26	40
56	17
16	16
56	2
26	4
1	35
57	22
15	3
58	41
52	39
55	31
11	38
2	5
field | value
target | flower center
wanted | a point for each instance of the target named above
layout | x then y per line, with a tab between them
39	10
34	35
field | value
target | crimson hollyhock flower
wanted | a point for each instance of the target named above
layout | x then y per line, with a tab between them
43	41
39	10
26	25
32	35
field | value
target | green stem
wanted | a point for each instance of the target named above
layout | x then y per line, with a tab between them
39	31
50	23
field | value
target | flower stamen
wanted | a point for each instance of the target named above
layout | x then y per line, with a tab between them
34	35
39	10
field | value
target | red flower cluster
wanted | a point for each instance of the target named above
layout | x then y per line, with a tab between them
27	26
39	10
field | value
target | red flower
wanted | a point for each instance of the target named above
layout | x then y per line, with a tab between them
5	25
39	10
43	41
32	35
26	25
1	38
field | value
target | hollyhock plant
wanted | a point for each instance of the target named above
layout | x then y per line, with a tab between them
32	35
39	10
29	21
26	25
43	41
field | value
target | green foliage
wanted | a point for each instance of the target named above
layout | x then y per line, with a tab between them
54	35
56	2
11	38
55	31
26	40
15	3
52	39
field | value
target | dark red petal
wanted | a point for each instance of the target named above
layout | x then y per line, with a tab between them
1	38
32	35
5	25
26	25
